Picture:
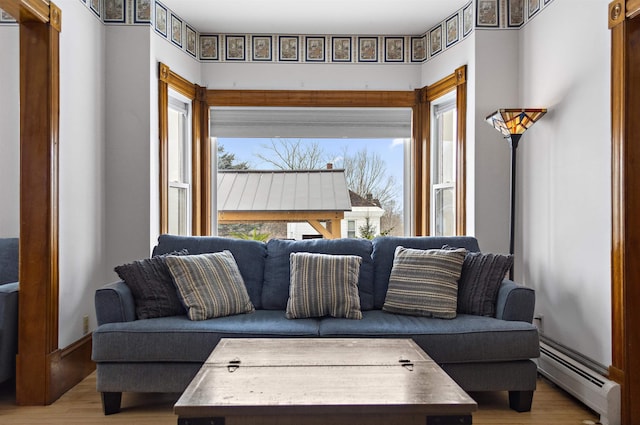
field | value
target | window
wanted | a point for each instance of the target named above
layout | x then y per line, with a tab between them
443	168
416	189
351	229
265	157
179	167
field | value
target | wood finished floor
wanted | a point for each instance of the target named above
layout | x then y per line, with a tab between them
81	405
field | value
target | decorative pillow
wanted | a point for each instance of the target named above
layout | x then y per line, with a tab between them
152	287
323	285
424	282
210	285
478	287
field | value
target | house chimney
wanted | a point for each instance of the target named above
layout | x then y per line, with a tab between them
329	166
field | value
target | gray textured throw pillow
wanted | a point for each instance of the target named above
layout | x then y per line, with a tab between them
152	287
323	285
424	282
210	285
482	275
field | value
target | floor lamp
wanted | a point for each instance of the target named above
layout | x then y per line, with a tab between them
512	123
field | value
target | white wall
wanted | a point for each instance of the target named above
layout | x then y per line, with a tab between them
496	86
82	169
128	151
566	174
260	76
132	56
9	131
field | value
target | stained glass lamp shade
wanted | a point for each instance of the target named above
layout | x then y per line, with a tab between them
514	121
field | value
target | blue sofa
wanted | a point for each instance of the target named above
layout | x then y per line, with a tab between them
163	354
8	307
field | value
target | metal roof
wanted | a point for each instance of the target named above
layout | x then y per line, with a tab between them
275	190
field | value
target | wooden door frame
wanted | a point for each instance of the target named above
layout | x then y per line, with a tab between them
43	371
624	22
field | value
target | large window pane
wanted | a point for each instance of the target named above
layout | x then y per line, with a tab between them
372	169
443	168
179	168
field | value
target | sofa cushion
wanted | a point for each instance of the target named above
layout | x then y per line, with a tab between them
465	339
249	255
324	285
384	248
275	291
209	285
424	282
8	260
482	275
178	339
152	286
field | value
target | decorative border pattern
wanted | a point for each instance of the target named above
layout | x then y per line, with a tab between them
143	9
302	48
115	11
341	49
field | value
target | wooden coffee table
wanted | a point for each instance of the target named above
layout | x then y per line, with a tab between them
319	381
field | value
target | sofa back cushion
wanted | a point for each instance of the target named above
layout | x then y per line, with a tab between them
8	260
275	291
249	255
384	249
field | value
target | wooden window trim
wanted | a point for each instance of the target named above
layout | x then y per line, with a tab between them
200	155
422	149
624	23
418	101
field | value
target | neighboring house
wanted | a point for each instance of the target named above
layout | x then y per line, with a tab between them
361	209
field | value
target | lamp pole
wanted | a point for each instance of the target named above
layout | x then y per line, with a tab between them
513	141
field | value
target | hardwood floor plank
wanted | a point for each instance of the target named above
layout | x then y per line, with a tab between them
81	405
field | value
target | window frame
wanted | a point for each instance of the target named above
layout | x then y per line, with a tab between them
419	100
169	80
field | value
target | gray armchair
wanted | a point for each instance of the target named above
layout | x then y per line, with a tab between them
8	307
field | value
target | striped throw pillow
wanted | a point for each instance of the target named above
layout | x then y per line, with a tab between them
209	285
323	285
424	282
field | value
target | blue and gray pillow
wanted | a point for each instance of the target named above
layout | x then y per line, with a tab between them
424	282
209	285
323	285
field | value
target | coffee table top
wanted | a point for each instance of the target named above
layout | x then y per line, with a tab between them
261	376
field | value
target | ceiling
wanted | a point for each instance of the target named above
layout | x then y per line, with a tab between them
345	17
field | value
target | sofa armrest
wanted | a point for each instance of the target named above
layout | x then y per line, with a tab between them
8	329
9	288
114	303
515	302
9	307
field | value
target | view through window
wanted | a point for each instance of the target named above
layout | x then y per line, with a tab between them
373	172
309	172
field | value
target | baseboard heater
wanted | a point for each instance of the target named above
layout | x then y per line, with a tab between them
594	390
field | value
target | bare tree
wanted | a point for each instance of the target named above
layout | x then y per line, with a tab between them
288	154
366	173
